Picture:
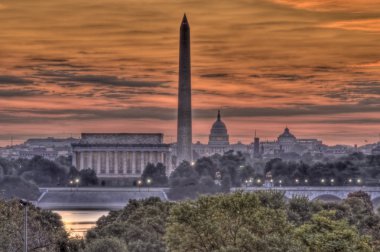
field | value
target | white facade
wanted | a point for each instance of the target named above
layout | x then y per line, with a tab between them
120	155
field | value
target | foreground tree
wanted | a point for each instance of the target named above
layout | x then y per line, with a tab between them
141	225
106	245
45	229
252	222
325	233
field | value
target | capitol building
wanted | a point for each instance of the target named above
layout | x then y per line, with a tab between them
286	143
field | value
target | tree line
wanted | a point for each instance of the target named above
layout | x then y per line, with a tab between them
240	221
352	170
22	177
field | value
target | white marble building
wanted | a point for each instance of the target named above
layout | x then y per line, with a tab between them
120	155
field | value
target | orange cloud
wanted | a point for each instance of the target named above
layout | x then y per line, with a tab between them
368	25
334	5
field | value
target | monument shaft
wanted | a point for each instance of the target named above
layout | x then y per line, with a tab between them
184	127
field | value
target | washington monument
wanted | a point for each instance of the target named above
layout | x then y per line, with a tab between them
184	128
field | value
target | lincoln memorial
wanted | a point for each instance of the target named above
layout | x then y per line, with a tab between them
120	155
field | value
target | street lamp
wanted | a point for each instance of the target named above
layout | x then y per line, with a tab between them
77	182
306	181
139	182
297	181
280	182
322	181
332	181
350	181
148	181
24	204
359	181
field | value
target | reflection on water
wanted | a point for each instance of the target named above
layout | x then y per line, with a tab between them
78	222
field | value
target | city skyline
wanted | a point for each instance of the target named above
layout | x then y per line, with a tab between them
266	64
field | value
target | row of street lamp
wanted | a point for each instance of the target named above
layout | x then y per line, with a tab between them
305	181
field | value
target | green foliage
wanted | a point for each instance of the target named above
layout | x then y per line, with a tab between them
190	181
88	177
300	210
251	222
45	229
183	182
141	225
107	244
236	222
226	184
206	167
186	182
13	186
345	171
44	172
246	172
360	214
324	233
231	164
157	174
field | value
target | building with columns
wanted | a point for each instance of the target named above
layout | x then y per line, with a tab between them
120	155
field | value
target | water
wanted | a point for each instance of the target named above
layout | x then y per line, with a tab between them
78	222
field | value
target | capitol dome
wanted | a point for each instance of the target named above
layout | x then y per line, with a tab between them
286	135
287	141
218	134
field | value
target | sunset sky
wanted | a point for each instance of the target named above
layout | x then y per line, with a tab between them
72	66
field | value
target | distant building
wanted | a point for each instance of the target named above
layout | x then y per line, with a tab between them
338	150
218	138
288	143
120	155
376	150
256	147
219	142
49	148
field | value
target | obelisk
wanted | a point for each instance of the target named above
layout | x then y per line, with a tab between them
184	128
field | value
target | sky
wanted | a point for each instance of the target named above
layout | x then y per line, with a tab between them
75	66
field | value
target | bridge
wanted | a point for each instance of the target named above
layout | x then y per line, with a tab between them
106	198
93	198
326	193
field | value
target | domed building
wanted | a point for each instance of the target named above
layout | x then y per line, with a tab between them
286	141
218	134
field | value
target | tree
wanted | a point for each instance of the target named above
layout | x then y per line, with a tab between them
300	210
206	167
246	172
44	172
88	177
183	182
230	163
251	222
324	233
106	245
361	214
157	174
45	229
141	225
14	186
226	184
